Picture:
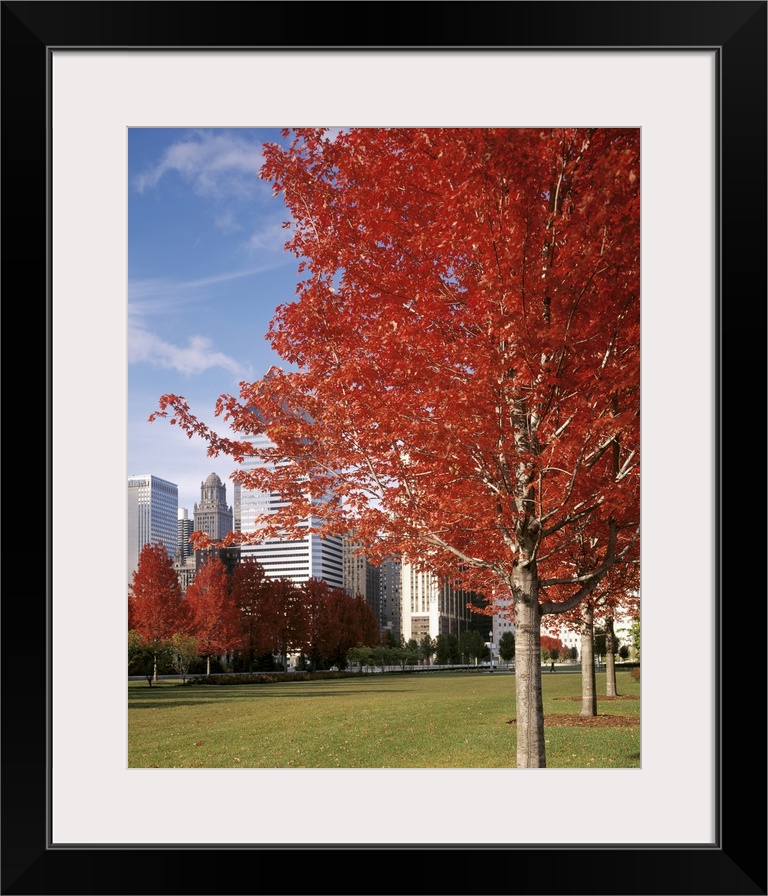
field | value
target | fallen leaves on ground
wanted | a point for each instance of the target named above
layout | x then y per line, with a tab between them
567	720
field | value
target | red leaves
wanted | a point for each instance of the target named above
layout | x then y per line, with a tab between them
548	642
213	615
336	622
155	607
466	337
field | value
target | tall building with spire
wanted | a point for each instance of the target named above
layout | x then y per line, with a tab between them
153	505
212	515
215	518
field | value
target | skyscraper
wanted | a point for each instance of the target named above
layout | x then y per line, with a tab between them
237	516
431	607
390	586
298	560
183	531
212	515
184	561
361	577
153	505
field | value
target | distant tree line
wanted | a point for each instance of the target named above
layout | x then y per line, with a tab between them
245	620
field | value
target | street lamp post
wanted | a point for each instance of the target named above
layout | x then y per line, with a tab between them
490	648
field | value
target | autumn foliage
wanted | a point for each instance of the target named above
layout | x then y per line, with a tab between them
249	592
246	616
214	621
462	362
550	643
338	623
156	609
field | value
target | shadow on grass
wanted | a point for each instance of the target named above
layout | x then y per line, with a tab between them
168	704
242	692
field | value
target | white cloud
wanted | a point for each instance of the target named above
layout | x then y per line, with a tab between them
165	451
196	357
159	298
272	236
226	223
158	295
216	165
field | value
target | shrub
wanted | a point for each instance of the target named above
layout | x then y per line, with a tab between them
266	677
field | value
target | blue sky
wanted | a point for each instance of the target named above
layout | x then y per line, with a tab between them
206	270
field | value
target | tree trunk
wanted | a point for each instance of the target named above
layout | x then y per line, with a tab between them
154	668
530	710
610	661
208	665
588	687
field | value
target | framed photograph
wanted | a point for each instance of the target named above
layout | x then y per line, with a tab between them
77	77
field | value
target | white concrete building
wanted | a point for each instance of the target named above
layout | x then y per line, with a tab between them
432	608
298	560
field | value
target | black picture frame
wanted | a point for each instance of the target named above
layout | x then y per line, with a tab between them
736	863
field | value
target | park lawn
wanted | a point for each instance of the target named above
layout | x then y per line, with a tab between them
422	720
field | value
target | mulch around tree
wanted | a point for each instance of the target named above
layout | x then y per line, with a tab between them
598	721
601	698
568	720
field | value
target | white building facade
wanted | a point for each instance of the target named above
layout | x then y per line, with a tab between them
183	532
430	607
298	560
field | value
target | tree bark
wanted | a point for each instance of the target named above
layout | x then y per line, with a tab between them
588	687
530	710
610	661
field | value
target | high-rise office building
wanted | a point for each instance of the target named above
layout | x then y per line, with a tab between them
390	605
184	562
298	560
237	515
184	529
433	607
361	577
153	506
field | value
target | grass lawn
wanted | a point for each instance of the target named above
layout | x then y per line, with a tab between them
423	720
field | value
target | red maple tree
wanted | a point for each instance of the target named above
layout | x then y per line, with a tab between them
345	622
249	594
156	609
462	387
616	595
315	598
212	612
284	617
335	622
550	643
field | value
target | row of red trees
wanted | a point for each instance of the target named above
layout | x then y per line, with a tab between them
246	613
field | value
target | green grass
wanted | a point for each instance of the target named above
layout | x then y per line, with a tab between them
434	720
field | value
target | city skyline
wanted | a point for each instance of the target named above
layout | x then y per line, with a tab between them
206	270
